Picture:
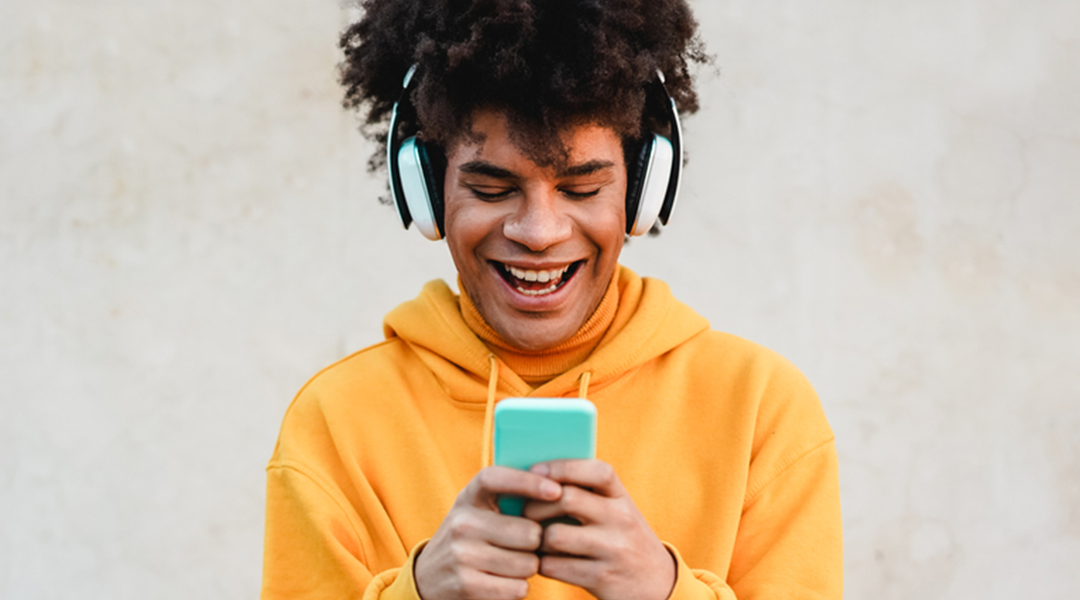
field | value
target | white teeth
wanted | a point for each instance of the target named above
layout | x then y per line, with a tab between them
546	290
540	276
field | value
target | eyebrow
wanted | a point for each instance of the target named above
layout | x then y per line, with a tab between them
586	168
480	167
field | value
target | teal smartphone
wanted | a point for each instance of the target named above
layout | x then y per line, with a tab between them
532	430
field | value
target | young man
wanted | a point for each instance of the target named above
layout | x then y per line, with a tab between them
535	155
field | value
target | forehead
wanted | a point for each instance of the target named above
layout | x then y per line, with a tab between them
491	137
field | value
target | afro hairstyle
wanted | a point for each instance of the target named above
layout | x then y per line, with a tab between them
547	64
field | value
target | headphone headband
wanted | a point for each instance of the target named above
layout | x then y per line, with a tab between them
675	178
393	149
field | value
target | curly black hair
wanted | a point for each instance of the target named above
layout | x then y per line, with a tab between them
547	64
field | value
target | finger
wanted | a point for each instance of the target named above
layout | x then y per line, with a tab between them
485	586
582	572
596	475
467	524
512	533
579	503
516	565
472	569
573	540
498	561
491	482
539	512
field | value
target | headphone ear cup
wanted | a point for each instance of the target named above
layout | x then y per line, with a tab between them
423	196
433	165
637	164
654	173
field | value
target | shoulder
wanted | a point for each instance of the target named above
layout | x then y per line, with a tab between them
753	367
343	395
354	375
771	396
359	369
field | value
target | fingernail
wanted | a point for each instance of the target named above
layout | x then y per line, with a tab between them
540	469
550	488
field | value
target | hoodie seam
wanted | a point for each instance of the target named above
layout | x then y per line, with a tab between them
465	346
321	485
783	467
313	378
625	365
630	362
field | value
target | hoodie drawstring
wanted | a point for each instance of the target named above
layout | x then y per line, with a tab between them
583	386
486	458
489	412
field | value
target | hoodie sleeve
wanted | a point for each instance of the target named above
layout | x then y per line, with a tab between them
697	584
312	548
788	544
787	540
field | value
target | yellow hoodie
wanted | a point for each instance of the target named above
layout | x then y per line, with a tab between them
722	444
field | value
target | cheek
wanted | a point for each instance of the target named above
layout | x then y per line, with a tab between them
457	230
467	227
608	228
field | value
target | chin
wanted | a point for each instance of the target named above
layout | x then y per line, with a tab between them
537	334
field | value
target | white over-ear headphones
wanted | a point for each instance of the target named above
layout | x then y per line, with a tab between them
653	170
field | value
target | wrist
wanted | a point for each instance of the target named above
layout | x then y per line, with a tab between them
672	573
414	562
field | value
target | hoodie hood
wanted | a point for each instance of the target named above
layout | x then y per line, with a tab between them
434	329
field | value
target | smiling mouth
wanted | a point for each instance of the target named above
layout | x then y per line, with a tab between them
537	283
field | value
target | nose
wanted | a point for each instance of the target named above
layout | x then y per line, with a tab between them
540	221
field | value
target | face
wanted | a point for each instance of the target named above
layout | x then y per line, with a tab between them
535	247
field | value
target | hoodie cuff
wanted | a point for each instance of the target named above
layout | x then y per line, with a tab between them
396	584
696	584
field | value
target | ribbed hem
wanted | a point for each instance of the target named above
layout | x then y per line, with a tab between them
396	584
691	584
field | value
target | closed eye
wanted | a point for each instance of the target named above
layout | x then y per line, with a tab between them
580	195
491	194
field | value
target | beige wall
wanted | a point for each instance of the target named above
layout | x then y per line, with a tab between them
885	192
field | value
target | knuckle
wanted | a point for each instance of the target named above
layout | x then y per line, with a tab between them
456	585
460	554
483	479
520	590
546	567
606	576
534	534
533	566
472	586
607	473
571	498
556	468
622	545
551	536
466	586
463	496
461	526
554	537
623	512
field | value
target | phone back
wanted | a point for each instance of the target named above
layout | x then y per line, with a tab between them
532	430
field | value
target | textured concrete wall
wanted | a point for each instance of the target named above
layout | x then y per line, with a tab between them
885	192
